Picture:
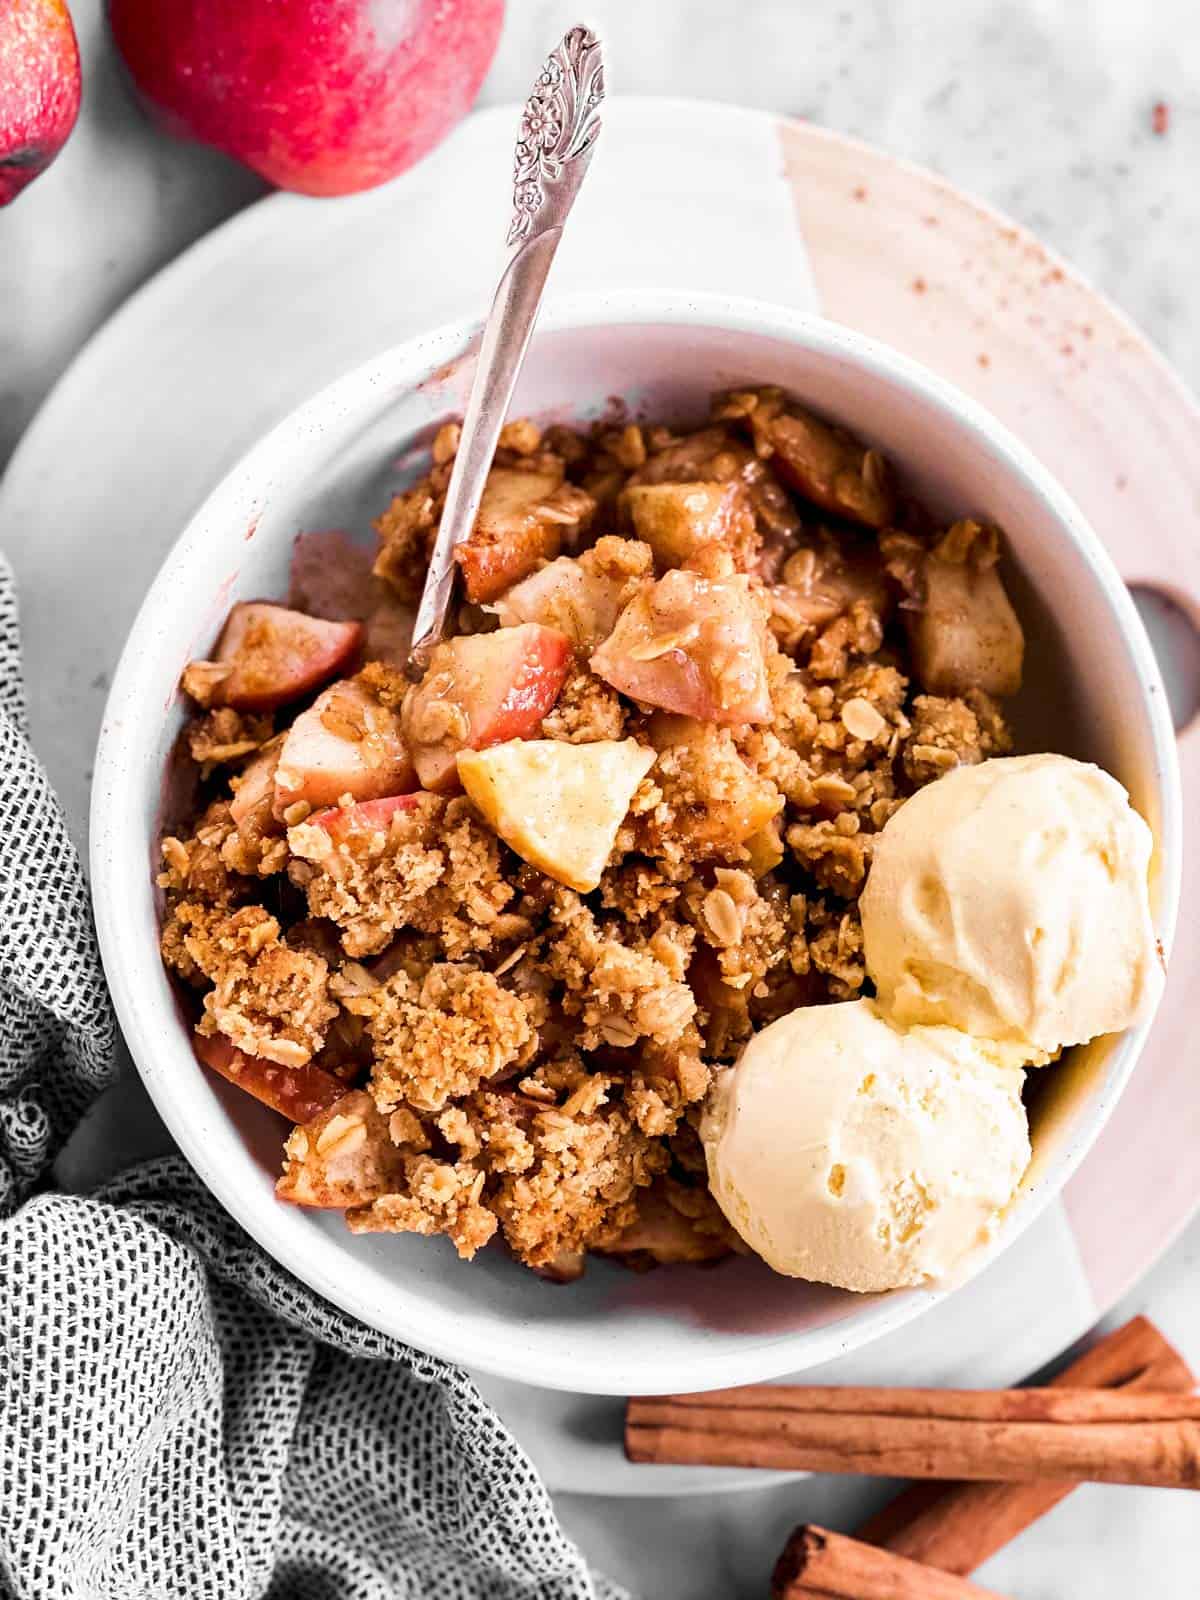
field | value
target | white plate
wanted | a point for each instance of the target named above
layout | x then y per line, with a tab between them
290	293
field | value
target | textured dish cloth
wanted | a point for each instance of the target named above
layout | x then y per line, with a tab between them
179	1417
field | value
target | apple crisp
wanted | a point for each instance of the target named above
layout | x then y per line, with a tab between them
483	939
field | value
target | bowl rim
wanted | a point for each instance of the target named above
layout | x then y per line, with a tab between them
118	847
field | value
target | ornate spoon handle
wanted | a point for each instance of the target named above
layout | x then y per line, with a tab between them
558	132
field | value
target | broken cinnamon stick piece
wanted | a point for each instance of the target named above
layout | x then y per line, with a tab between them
957	1526
1015	1435
816	1563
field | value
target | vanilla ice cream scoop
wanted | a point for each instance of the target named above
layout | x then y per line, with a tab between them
851	1152
1010	899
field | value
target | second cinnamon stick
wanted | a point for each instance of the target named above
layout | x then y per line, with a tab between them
816	1563
1016	1435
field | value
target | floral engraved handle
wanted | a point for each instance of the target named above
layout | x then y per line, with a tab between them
558	129
558	133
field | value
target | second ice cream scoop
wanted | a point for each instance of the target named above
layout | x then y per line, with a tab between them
1010	900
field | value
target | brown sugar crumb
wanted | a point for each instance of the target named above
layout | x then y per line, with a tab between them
588	709
828	941
667	1079
521	436
255	856
226	735
344	1157
622	987
837	853
267	998
195	868
857	632
832	747
641	890
701	799
387	683
437	1197
438	1039
949	733
406	532
744	922
437	870
201	680
579	1189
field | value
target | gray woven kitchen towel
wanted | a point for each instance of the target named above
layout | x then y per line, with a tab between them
179	1417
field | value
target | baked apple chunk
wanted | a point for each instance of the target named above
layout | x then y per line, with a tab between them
558	805
346	743
269	655
678	519
962	629
481	689
691	645
522	520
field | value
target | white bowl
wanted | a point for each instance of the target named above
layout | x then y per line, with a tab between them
1093	690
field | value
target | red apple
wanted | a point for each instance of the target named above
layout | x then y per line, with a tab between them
345	743
299	1093
278	655
321	96
372	816
39	89
480	690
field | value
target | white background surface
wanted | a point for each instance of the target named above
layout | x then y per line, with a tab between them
1043	109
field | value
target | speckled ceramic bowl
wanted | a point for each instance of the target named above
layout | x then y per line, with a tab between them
1093	690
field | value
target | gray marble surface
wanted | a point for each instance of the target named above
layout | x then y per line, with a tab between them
1041	106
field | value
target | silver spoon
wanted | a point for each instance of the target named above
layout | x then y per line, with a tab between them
558	132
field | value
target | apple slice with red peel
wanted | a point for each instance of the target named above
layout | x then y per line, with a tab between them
370	816
298	1093
345	743
275	655
694	646
482	689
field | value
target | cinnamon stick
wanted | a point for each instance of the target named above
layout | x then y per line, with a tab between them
1017	1435
957	1526
819	1565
